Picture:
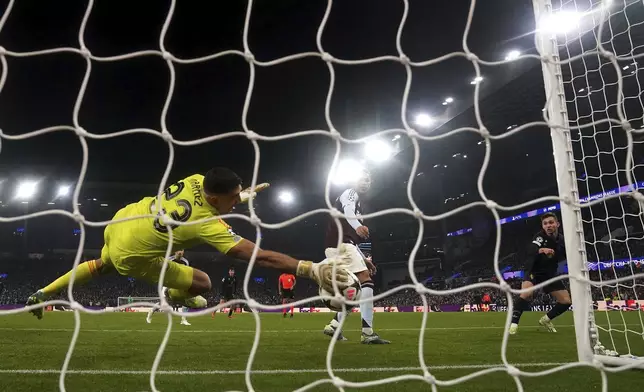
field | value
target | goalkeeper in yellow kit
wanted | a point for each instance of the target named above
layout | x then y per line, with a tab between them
137	247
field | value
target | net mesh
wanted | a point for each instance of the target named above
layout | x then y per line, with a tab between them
605	64
599	87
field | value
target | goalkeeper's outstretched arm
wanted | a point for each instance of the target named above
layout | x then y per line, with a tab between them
319	272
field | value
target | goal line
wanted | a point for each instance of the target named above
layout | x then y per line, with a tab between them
275	371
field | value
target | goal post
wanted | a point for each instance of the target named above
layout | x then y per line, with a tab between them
557	84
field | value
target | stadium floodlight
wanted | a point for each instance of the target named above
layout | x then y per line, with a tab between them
395	138
423	120
561	22
512	55
477	80
26	190
377	150
286	197
347	171
63	191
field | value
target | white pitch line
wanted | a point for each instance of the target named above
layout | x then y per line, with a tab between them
475	328
275	371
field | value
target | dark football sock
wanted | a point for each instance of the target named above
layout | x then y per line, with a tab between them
557	310
519	306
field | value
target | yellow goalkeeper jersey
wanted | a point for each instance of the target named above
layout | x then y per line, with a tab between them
184	201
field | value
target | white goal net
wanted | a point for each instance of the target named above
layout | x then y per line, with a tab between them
594	107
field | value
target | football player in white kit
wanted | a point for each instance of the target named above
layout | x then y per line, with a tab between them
354	232
177	258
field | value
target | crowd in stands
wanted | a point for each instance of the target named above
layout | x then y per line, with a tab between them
467	260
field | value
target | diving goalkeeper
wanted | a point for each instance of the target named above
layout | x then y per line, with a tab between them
137	247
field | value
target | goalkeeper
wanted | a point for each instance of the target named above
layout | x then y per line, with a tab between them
137	247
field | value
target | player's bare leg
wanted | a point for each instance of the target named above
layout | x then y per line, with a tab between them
520	305
84	273
563	304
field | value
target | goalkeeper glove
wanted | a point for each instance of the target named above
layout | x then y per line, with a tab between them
246	194
322	272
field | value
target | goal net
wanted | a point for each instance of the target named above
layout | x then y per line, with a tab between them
593	88
590	54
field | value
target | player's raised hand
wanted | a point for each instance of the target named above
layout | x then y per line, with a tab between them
246	194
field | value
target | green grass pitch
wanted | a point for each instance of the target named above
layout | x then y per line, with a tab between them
115	352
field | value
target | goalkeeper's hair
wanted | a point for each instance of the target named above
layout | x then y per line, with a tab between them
220	180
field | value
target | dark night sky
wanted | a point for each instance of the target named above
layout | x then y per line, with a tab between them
208	98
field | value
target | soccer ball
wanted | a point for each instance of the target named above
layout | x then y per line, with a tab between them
351	293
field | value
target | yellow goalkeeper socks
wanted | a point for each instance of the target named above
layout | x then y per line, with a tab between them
84	273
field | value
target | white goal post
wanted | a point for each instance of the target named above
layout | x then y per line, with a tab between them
565	58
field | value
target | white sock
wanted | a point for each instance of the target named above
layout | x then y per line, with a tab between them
366	310
335	323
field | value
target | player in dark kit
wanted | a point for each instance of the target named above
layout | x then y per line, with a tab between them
546	251
228	289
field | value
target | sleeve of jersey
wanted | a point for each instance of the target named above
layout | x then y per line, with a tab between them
533	252
349	199
219	236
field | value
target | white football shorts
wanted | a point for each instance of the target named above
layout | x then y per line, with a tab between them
357	258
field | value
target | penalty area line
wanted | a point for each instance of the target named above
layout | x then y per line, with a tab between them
273	371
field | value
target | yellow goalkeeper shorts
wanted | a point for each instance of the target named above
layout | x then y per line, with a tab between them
121	252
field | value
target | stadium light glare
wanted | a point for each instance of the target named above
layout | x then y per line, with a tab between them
561	22
377	151
424	120
63	191
477	80
512	55
286	197
395	138
347	171
26	190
